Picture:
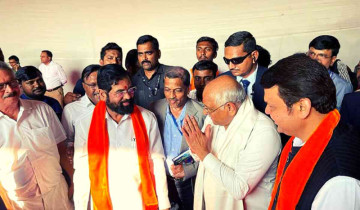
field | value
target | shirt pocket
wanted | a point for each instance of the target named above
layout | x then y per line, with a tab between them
42	138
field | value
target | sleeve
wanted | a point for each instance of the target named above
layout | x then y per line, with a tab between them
61	74
252	163
340	192
158	158
66	121
81	175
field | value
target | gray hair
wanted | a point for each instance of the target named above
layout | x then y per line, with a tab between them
5	67
179	72
234	94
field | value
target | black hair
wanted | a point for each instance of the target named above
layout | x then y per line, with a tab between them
131	58
264	58
326	42
14	57
27	73
110	46
209	39
109	75
48	53
148	38
88	70
179	72
298	76
242	37
206	65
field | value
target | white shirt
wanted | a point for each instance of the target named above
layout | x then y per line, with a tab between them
29	157
53	75
340	192
123	168
74	111
251	78
239	173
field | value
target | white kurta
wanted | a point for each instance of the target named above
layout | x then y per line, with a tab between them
123	168
30	171
239	173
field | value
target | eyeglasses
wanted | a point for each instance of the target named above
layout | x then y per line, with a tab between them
13	84
92	86
236	60
121	93
311	54
209	111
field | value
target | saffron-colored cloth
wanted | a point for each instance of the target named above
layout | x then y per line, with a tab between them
294	180
98	151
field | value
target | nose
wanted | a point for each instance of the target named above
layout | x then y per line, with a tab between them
231	65
36	84
202	82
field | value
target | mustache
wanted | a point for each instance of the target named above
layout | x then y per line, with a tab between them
9	95
40	88
233	69
145	61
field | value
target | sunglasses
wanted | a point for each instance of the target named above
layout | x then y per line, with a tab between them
236	60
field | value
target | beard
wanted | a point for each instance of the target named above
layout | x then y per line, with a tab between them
120	108
37	93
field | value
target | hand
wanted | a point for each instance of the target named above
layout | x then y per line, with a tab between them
177	171
199	142
70	152
71	97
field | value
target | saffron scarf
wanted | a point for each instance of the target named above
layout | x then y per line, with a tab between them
301	167
98	152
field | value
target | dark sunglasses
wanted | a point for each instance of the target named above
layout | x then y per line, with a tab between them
236	60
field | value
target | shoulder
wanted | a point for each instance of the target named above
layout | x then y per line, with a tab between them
227	73
264	124
158	105
197	105
147	115
261	69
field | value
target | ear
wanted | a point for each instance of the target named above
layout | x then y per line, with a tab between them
102	94
215	54
304	107
101	62
231	107
333	59
255	56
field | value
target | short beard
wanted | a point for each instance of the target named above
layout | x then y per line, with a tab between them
120	108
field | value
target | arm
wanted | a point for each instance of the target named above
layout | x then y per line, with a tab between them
61	74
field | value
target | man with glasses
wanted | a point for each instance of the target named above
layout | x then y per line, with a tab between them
241	56
238	149
149	80
324	49
170	113
32	140
119	157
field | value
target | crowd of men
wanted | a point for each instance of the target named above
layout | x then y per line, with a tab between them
154	136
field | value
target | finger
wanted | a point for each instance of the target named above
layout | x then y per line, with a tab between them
186	124
195	124
191	124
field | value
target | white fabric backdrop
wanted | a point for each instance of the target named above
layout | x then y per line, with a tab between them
75	31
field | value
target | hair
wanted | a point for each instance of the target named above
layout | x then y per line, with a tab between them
131	58
1	56
5	67
88	70
148	38
326	42
27	73
179	72
242	37
235	94
264	58
110	46
14	57
206	65
109	75
297	77
209	39
48	53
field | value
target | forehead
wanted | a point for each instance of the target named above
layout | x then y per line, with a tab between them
43	54
6	76
203	73
92	76
271	95
36	78
324	51
204	44
112	52
145	47
234	51
12	60
121	85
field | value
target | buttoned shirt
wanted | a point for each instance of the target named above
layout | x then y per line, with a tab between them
342	87
29	157
73	112
53	103
251	78
123	167
53	75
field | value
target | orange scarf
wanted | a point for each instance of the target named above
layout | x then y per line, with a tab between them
300	168
98	152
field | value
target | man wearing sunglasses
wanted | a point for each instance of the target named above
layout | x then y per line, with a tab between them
241	56
118	150
32	140
324	49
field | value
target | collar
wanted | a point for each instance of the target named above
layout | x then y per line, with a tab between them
182	114
108	117
251	78
86	101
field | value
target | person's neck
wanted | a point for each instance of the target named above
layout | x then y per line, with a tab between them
47	63
114	115
150	73
11	111
309	125
176	111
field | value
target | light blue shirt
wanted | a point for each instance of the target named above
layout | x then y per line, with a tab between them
251	78
342	87
172	133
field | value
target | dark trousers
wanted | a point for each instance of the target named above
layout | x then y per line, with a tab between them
181	193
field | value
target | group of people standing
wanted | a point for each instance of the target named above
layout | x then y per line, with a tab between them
164	137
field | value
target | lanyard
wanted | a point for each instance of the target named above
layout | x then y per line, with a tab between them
174	120
153	91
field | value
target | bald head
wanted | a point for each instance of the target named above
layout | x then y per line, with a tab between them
224	89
